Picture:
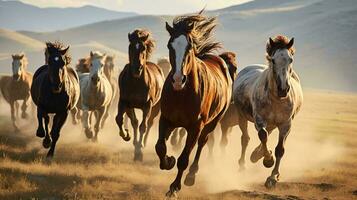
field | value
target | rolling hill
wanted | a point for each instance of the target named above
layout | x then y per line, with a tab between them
16	15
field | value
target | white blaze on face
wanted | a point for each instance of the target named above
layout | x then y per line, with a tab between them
16	67
137	46
96	67
179	45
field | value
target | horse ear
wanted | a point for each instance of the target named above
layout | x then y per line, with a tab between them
129	37
64	51
169	28
271	42
13	56
91	54
21	56
191	26
291	43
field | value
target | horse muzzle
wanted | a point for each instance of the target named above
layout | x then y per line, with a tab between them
179	81
95	79
16	77
57	89
282	93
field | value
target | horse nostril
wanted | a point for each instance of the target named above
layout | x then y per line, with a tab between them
184	78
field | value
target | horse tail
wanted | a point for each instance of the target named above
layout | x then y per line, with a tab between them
230	59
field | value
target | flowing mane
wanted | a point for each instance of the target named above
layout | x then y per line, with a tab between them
144	36
200	28
21	56
59	46
280	42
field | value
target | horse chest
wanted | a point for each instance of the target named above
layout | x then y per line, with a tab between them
275	112
19	90
135	93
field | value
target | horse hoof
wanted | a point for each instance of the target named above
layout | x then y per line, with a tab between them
40	133
256	155
138	157
88	133
268	162
168	164
171	194
46	143
126	137
190	179
270	183
95	139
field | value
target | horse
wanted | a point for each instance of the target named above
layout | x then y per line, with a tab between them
228	120
196	93
96	94
140	84
17	87
109	68
55	90
270	97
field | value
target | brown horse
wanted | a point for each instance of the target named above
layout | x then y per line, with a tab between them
55	89
17	87
196	93
140	85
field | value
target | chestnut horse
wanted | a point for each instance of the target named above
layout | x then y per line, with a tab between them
196	93
55	89
140	85
270	97
17	87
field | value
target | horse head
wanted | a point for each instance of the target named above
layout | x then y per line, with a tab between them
280	52
140	49
57	59
19	63
96	68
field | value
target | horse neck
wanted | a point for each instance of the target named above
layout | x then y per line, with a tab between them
192	71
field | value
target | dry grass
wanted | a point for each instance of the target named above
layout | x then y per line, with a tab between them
320	162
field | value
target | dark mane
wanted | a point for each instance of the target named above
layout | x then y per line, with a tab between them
144	36
280	42
58	46
199	27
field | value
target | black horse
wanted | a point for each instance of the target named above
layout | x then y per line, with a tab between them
55	90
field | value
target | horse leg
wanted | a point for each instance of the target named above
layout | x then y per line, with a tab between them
24	106
224	137
130	113
166	162
142	130
284	131
211	140
183	160
122	106
16	107
46	143
58	121
74	112
105	116
99	119
262	150
40	130
154	113
202	140
13	117
86	121
243	125
182	133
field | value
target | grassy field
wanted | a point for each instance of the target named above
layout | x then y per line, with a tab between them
320	161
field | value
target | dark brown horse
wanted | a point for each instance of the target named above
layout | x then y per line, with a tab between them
17	87
140	85
55	90
196	93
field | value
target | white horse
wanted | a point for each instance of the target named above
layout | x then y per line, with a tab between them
270	97
96	94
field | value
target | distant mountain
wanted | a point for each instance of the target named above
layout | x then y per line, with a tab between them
324	31
16	15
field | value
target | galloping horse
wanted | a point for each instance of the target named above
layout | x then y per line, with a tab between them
196	93
55	89
96	94
140	85
17	87
270	97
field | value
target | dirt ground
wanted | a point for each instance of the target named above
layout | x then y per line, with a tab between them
320	161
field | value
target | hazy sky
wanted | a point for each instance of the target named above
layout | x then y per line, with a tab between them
142	6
